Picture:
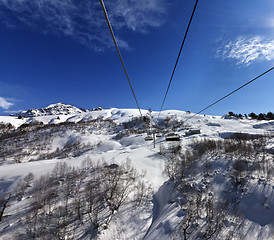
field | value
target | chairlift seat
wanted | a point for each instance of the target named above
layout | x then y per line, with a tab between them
172	137
148	138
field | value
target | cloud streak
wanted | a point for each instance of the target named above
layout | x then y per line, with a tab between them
4	103
137	14
246	51
83	20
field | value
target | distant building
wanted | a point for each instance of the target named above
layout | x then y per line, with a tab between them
192	132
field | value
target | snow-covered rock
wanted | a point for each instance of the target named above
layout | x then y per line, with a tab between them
53	109
227	116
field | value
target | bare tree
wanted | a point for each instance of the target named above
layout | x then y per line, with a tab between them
28	178
188	225
4	199
20	188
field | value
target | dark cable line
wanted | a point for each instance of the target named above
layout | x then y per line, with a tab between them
178	56
117	48
230	93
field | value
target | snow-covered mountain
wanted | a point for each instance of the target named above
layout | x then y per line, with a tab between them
53	109
217	184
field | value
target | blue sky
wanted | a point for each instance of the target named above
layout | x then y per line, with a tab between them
61	51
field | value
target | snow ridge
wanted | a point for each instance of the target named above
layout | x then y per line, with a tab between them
53	109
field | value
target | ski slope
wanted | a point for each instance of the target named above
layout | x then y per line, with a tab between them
159	221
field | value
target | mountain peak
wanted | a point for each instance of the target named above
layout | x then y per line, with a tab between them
52	109
57	105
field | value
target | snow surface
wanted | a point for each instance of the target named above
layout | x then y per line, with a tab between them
147	159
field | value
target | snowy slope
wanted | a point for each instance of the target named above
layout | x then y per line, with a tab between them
102	144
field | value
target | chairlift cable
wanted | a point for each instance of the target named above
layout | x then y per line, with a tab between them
178	57
231	93
118	51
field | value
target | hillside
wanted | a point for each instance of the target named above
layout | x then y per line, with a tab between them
74	174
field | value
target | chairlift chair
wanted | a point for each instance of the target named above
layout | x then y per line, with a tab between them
148	138
158	134
172	137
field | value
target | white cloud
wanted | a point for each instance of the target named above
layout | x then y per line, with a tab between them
137	14
4	103
83	20
247	50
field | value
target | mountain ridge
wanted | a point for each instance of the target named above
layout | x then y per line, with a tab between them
54	109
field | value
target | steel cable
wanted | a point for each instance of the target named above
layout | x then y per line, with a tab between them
120	56
231	93
178	57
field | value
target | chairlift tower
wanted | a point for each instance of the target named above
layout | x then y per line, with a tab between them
151	133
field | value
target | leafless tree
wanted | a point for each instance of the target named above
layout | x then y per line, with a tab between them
28	178
20	188
4	199
188	225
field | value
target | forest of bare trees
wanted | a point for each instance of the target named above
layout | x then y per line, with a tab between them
67	198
